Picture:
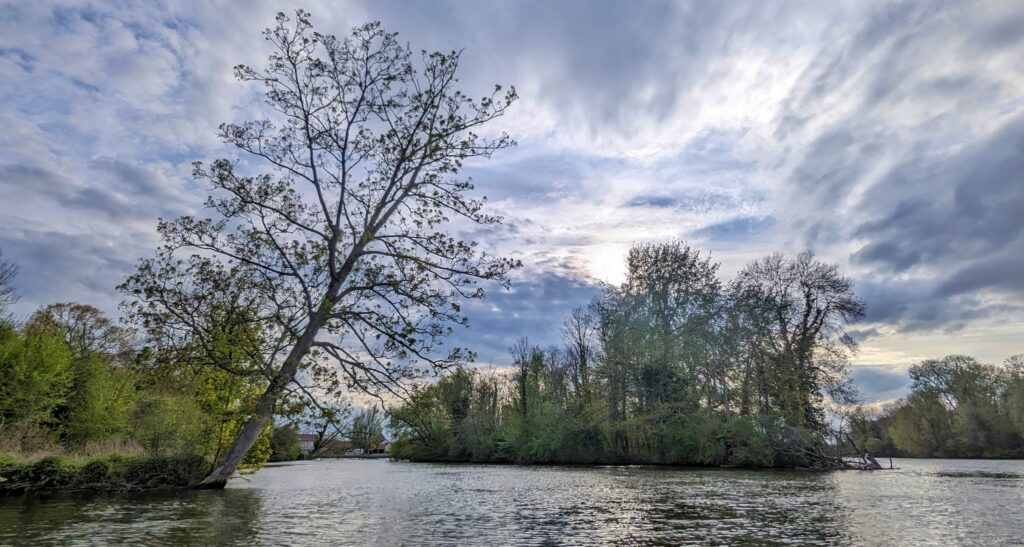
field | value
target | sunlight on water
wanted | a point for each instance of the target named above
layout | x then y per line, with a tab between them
377	502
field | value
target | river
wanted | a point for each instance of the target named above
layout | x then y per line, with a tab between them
378	502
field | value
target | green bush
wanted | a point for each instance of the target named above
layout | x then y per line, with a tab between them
168	424
95	471
747	443
165	471
284	444
50	472
35	373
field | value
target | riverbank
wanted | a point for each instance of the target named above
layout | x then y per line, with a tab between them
114	473
354	457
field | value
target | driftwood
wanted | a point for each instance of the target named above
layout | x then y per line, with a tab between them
865	462
823	459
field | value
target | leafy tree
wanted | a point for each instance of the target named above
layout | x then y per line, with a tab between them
102	392
579	333
284	444
673	293
1014	394
35	373
367	429
922	426
326	421
87	331
168	424
221	372
671	368
99	403
340	247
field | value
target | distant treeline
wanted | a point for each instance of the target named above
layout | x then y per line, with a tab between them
958	408
673	367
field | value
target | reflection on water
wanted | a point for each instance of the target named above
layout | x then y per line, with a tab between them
377	502
153	518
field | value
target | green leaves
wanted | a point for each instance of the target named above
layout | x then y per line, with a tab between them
35	373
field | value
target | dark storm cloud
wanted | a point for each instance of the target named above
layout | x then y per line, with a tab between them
657	202
116	188
56	267
973	208
701	201
912	153
914	306
966	221
835	161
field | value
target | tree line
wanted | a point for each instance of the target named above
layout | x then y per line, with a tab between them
958	407
672	367
73	382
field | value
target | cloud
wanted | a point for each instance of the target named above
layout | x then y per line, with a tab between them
57	267
879	384
901	159
886	137
534	307
738	228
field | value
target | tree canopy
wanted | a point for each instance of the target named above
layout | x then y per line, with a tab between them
674	366
341	253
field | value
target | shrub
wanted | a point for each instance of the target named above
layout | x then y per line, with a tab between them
51	472
113	472
165	471
284	444
168	424
95	471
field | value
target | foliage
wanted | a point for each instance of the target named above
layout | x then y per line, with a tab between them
958	408
8	295
326	419
101	392
35	373
367	429
166	424
100	401
673	367
284	444
79	386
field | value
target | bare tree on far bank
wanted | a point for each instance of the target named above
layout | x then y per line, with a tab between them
8	295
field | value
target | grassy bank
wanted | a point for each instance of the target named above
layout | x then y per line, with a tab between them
113	473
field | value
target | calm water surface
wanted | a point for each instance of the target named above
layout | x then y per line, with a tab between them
361	502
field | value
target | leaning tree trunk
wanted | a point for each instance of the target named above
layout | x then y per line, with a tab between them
226	467
264	411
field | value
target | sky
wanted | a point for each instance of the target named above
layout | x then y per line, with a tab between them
887	137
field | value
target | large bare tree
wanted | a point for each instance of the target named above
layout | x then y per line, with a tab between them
802	306
342	251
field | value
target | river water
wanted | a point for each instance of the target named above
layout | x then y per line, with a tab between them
378	502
